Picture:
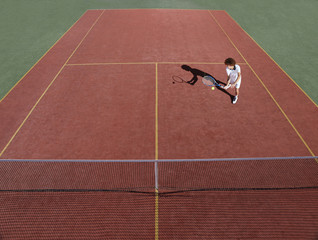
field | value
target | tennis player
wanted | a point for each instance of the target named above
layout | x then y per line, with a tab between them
234	78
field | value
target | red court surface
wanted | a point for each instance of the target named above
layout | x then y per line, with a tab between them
69	215
104	91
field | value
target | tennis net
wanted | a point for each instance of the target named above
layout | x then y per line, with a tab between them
163	176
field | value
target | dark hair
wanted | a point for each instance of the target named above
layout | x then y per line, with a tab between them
230	62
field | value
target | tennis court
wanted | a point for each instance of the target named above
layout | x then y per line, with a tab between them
97	141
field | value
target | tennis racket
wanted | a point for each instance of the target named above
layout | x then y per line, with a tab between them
210	81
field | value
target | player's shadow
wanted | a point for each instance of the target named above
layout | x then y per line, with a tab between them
198	73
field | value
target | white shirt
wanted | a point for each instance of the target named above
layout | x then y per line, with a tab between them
233	74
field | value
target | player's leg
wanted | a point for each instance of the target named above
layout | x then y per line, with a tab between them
237	91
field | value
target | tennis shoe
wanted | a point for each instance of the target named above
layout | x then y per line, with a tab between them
235	99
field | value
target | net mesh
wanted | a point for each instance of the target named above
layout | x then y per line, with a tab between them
275	198
76	176
238	175
167	176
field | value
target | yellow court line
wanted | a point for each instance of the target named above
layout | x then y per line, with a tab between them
37	102
128	9
156	157
26	118
267	90
40	59
203	63
110	63
156	134
143	63
275	62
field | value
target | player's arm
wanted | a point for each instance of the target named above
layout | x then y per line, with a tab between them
227	81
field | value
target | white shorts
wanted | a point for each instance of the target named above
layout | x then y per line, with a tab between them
238	84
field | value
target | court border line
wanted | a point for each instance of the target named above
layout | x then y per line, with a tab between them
156	116
145	63
156	156
264	86
127	9
11	89
40	98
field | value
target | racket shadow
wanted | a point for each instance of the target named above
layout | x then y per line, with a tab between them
199	73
